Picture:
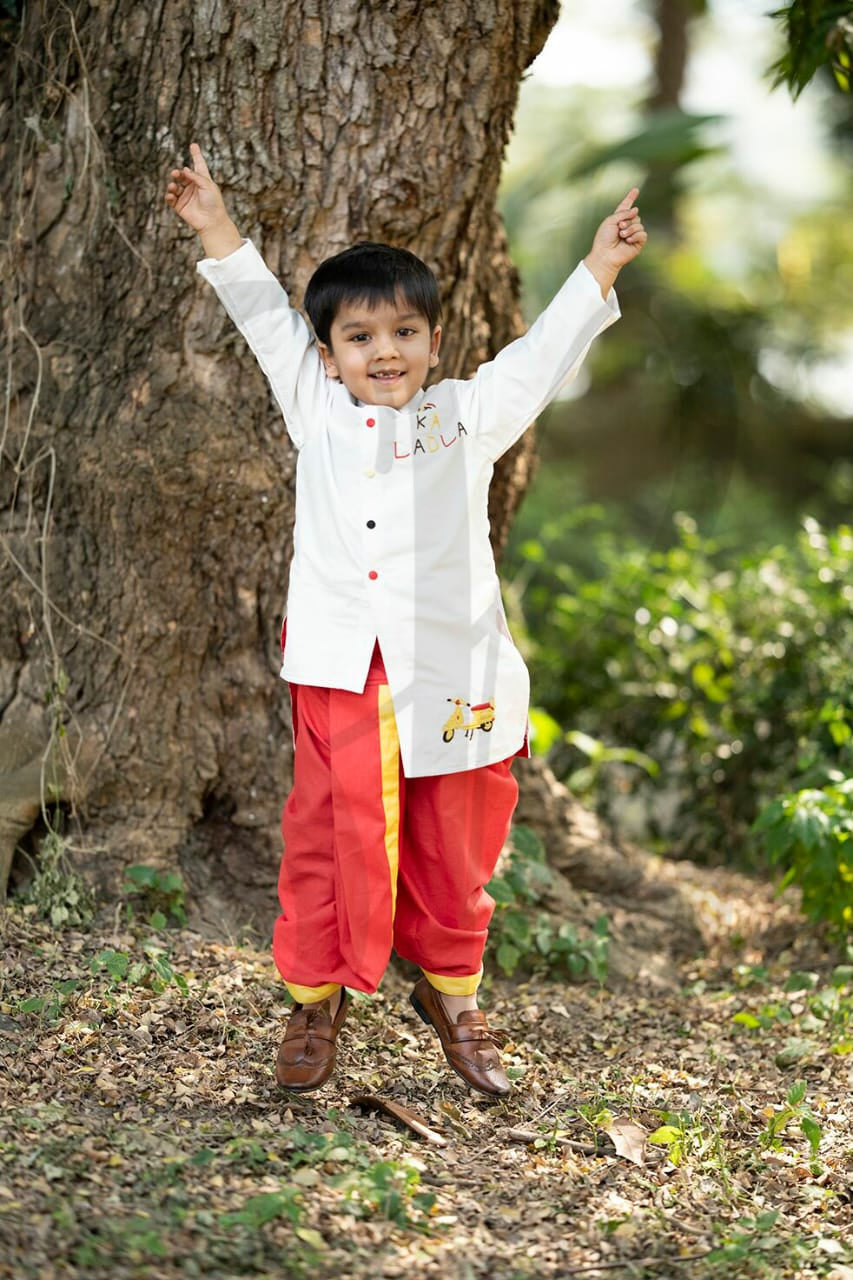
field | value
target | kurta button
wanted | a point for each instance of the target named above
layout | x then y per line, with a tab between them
371	422
370	473
373	575
371	524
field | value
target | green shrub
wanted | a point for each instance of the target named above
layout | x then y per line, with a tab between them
153	970
156	892
810	835
525	936
732	671
59	893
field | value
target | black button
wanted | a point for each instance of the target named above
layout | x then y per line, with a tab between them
371	524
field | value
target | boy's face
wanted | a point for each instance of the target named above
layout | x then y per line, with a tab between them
381	354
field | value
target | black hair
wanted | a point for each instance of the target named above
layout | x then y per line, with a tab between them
370	273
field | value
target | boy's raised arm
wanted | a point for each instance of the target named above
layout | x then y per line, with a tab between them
510	391
253	297
196	198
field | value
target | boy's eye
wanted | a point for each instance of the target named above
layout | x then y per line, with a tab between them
405	333
360	337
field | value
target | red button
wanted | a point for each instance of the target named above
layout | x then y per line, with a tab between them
371	422
373	575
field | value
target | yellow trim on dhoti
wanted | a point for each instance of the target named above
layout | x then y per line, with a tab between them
465	986
310	995
389	748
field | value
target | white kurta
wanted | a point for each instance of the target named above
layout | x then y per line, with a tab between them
392	535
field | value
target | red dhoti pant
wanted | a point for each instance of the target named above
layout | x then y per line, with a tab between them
375	860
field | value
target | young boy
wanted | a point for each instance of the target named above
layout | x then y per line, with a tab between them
409	697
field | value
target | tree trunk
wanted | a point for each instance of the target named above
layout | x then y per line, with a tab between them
147	482
673	19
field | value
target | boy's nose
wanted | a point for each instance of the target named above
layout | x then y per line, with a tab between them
386	347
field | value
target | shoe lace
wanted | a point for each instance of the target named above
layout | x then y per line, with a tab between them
495	1035
312	1016
315	1013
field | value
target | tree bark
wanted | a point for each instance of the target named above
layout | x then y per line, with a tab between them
146	482
673	19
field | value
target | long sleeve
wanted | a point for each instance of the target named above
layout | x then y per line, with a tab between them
507	393
278	336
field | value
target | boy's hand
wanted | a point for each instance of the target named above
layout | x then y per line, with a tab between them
617	241
196	198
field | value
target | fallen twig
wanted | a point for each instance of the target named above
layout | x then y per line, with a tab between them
635	1262
373	1102
527	1135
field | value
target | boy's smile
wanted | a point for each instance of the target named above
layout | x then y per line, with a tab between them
381	354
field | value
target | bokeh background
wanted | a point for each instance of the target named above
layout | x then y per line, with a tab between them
680	571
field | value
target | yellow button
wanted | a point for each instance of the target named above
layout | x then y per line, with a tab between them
370	473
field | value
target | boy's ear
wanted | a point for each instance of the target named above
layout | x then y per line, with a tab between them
329	362
434	345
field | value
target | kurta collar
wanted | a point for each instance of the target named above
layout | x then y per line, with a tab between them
411	407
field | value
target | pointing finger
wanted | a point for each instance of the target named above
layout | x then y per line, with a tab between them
629	199
199	163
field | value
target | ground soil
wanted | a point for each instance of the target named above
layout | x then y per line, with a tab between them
142	1134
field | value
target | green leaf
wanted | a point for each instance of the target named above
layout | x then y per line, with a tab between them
508	957
813	1133
770	815
796	1093
800	981
170	882
264	1208
807	826
792	1052
590	746
204	1156
141	877
545	731
544	938
527	843
703	675
311	1237
734	1252
670	136
665	1135
516	927
745	1019
115	962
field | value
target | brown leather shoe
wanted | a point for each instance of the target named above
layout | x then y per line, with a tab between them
468	1044
306	1055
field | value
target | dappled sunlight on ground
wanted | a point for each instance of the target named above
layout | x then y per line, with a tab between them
143	1135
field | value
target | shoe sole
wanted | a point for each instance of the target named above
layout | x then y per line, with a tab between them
301	1088
424	1017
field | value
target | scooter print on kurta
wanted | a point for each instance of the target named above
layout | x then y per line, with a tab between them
482	717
